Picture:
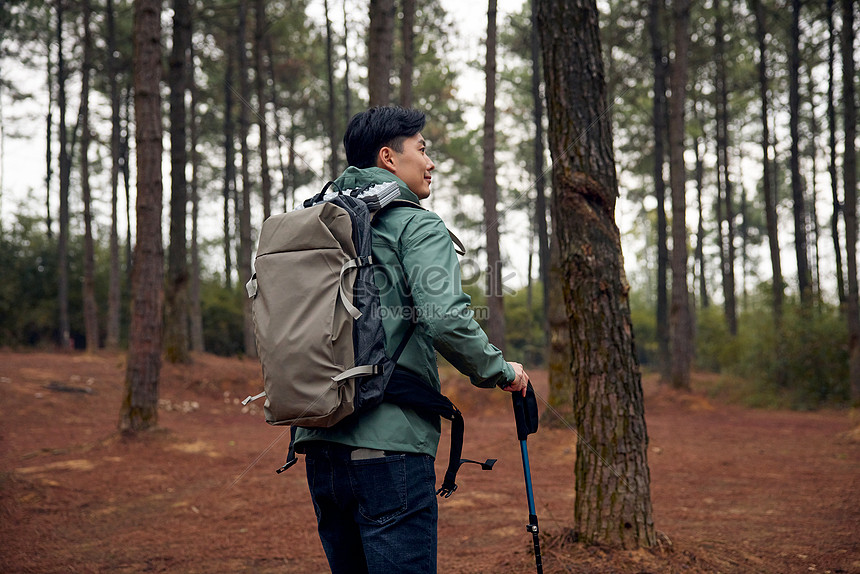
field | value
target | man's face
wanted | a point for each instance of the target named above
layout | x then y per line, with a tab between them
412	165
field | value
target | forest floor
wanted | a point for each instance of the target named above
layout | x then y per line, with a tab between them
733	489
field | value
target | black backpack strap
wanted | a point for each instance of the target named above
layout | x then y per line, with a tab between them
407	389
291	452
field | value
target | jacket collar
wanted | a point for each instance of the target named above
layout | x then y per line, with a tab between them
355	177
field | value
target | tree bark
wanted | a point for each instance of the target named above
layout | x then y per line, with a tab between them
139	409
831	146
489	188
334	144
613	503
540	180
380	42
245	247
804	280
64	329
229	170
91	314
849	165
725	181
659	126
262	124
767	177
681	325
196	314
704	299
114	316
407	41
176	289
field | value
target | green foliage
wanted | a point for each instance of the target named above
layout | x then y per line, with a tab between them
802	364
644	319
28	292
222	318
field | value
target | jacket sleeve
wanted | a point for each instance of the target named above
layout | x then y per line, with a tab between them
433	274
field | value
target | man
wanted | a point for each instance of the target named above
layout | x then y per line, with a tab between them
372	477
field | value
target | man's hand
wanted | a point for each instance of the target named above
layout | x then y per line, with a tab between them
520	382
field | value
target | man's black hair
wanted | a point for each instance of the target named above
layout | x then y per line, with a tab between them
371	130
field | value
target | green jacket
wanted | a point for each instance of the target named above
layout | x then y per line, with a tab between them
412	248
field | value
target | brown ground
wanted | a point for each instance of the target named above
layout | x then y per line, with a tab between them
734	490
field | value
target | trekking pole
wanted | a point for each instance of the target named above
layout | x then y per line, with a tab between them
526	416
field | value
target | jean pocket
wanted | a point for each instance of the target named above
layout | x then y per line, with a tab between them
379	487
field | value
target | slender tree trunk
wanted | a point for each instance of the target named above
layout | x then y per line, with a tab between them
812	152
380	42
800	232
139	409
659	127
49	136
176	344
407	40
114	314
540	180
704	299
229	170
245	246
91	314
260	84
334	144
725	181
831	145
279	137
126	181
347	91
849	166
679	315
613	501
65	177
495	296
767	176
196	314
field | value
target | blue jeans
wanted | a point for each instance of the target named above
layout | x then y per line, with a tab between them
376	515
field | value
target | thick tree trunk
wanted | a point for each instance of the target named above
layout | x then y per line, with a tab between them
804	280
245	246
659	126
849	163
139	409
380	42
262	124
681	324
407	41
91	313
767	176
176	345
495	295
613	502
114	317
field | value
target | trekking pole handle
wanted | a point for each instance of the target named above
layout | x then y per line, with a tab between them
525	412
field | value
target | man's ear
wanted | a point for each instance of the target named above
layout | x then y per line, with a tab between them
386	159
